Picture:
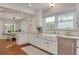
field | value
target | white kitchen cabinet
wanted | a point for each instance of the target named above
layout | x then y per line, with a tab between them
21	38
44	43
52	47
32	40
35	41
48	45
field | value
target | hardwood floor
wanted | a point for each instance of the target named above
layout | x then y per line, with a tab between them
10	48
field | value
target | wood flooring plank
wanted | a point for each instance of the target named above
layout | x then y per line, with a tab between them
13	50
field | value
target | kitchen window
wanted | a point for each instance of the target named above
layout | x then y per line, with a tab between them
49	24
66	21
9	27
62	21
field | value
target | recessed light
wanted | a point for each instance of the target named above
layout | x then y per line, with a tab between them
30	5
51	5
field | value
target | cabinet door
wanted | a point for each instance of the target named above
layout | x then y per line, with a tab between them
22	38
32	40
43	44
66	46
52	46
48	45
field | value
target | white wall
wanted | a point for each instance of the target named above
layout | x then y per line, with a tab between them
1	29
36	20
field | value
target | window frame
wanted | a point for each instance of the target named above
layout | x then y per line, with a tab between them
66	20
44	27
56	21
8	24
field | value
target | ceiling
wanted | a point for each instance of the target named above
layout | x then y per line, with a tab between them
24	6
7	13
19	10
35	6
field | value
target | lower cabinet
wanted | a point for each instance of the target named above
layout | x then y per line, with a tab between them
47	45
52	47
21	38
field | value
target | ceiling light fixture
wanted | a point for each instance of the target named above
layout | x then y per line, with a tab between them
51	5
30	5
